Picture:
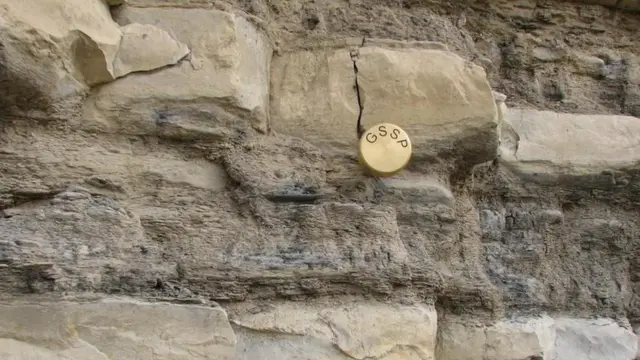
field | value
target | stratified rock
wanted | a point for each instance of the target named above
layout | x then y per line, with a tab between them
559	143
598	339
444	103
224	83
589	65
632	88
536	338
114	329
51	50
506	340
549	54
146	47
359	330
617	4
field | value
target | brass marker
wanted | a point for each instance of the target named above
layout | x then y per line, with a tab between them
384	149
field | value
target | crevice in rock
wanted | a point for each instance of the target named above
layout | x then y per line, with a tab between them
21	197
354	58
268	331
294	198
377	183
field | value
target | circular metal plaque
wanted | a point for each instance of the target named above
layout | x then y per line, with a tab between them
384	149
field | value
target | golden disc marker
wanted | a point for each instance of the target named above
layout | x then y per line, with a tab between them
384	149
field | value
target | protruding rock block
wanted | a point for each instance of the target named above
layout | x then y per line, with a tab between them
360	330
52	50
114	329
444	103
146	48
536	338
225	78
557	143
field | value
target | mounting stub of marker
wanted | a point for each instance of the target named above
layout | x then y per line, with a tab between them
384	149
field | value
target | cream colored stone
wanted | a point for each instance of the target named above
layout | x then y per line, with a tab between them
114	329
55	48
507	340
361	330
87	39
443	102
637	330
146	47
58	47
544	337
227	73
550	141
427	190
597	339
85	24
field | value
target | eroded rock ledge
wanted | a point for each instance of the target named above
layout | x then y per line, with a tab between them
121	328
230	177
52	51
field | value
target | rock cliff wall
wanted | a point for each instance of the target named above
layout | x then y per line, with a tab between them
179	180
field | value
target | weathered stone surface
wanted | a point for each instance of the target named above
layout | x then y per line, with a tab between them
51	50
146	47
162	189
616	4
536	338
525	338
114	329
551	142
360	330
438	98
632	89
589	65
43	163
225	76
540	256
600	339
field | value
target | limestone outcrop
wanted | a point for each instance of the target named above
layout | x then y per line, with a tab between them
179	180
114	329
442	100
536	338
53	50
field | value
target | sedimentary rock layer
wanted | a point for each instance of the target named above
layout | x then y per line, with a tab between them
156	159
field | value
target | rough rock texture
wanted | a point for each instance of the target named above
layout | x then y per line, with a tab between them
166	162
555	55
114	329
338	330
443	101
52	50
536	338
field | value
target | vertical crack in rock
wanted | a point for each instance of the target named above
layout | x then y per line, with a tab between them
355	53
378	185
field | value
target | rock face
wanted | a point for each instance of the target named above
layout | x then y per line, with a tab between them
578	143
166	163
536	338
52	50
353	330
114	329
445	102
